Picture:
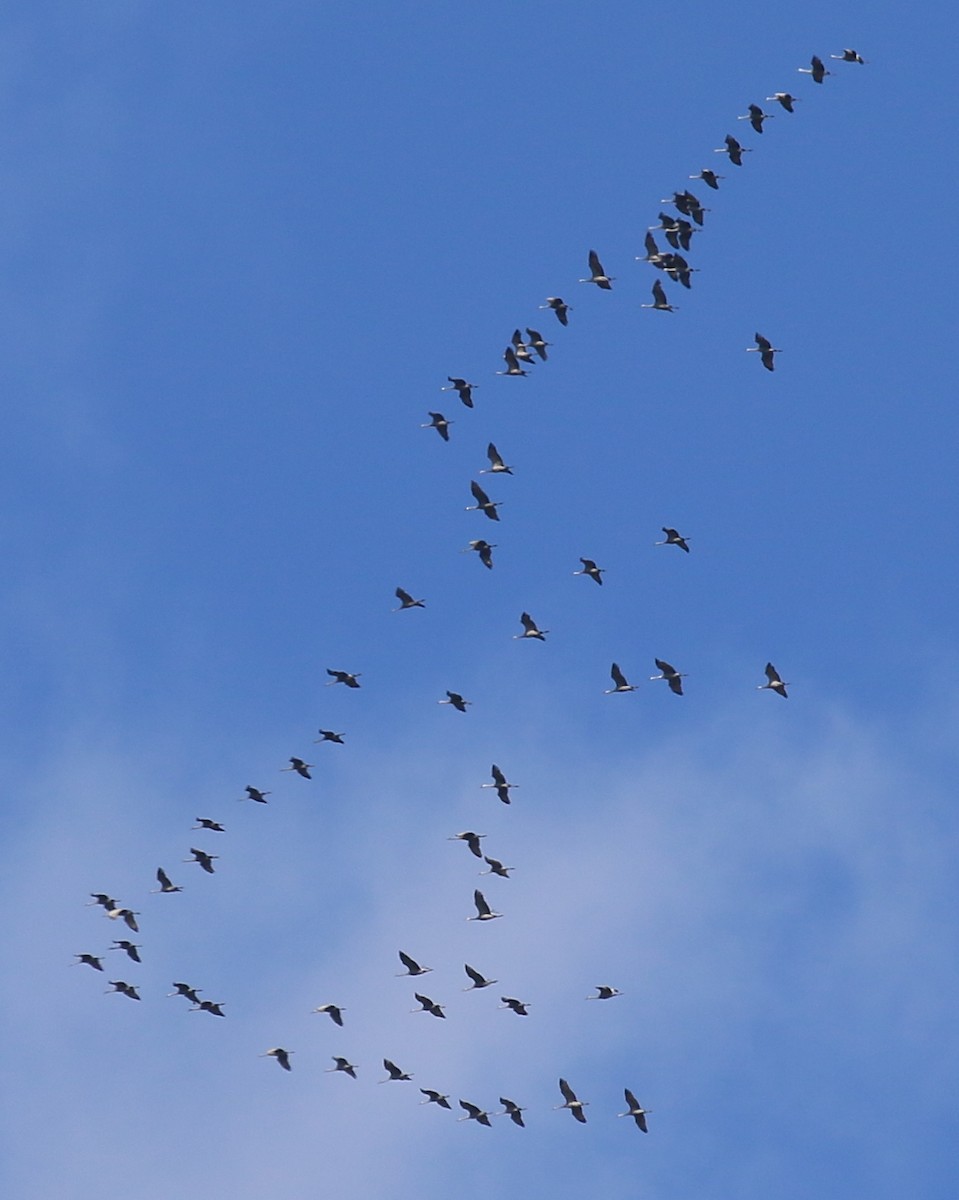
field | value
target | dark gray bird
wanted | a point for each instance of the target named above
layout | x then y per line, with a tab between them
91	960
520	1007
499	784
474	1113
774	682
394	1074
785	99
530	629
428	1006
561	309
412	966
673	677
849	56
496	868
300	767
471	839
463	389
497	466
673	538
620	682
591	569
255	794
766	351
333	1011
164	880
597	274
520	349
190	993
479	981
282	1056
130	949
206	823
215	1009
635	1110
816	69
710	178
342	1064
735	150
483	910
127	915
537	342
205	860
406	600
659	299
512	1110
485	551
652	254
755	117
572	1102
512	363
457	701
347	677
433	1097
329	735
438	422
605	992
483	503
125	989
105	902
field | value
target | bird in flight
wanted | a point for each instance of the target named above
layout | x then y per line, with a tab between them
597	274
673	677
560	308
774	682
203	859
474	1113
394	1074
127	915
538	342
131	949
571	1101
635	1110
520	1007
755	117
512	363
428	1006
456	700
407	601
347	677
483	503
619	679
485	551
255	794
816	69
785	99
463	389
164	880
499	784
530	629
849	56
673	538
438	422
300	767
412	966
342	1064
591	569
660	302
206	823
734	149
497	466
479	981
329	735
282	1056
434	1097
766	351
710	178
496	868
605	992
483	910
333	1011
91	960
512	1110
471	839
124	988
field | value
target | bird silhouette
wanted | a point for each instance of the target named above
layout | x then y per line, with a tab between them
774	682
572	1102
438	422
673	677
282	1056
620	681
483	910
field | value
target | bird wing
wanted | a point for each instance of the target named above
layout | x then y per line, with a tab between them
676	685
568	1094
403	597
618	677
659	294
473	1109
630	1099
478	494
408	962
763	343
511	360
664	666
476	977
163	879
494	455
772	674
595	265
481	906
528	623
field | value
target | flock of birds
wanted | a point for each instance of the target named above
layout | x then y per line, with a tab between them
518	356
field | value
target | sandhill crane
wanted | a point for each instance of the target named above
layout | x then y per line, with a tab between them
496	868
605	992
734	149
342	1064
91	960
483	910
538	342
457	701
571	1102
434	1097
619	679
710	178
561	309
497	466
282	1056
483	503
499	784
105	902
590	568
520	349
329	735
406	600
471	839
512	1110
679	232
688	204
755	117
127	915
849	56
766	351
479	981
255	794
474	1113
394	1074
673	538
673	677
512	363
774	682
438	422
206	823
463	389
125	989
635	1110
660	303
530	629
428	1006
785	99
520	1007
214	1008
678	269
485	551
816	69
412	966
347	677
130	949
190	993
300	767
164	880
597	274
203	859
333	1011
652	254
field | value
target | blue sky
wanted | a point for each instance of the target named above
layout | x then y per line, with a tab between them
243	249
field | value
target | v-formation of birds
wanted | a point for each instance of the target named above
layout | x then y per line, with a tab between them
520	354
